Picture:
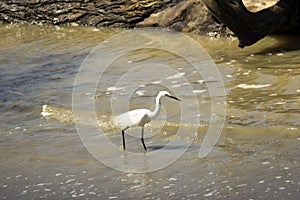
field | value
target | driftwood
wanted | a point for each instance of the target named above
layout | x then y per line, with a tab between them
283	17
108	13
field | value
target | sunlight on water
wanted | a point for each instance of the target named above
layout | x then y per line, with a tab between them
105	122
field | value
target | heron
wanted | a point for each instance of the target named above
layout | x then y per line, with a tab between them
140	117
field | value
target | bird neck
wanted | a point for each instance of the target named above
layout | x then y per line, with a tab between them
156	110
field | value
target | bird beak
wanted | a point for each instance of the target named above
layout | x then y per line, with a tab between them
173	97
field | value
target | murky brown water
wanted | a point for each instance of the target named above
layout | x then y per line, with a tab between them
257	156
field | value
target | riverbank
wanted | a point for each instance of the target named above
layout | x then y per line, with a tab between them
190	16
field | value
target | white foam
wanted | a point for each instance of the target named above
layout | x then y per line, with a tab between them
200	81
148	43
140	92
198	91
178	75
70	180
24	192
252	86
210	193
42	184
179	85
45	112
156	82
280	103
273	95
242	185
110	89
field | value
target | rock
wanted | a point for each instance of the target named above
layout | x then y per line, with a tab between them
187	16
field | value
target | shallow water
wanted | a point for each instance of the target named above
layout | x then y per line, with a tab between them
257	156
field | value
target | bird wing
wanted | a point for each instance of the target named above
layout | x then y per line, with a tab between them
133	118
145	119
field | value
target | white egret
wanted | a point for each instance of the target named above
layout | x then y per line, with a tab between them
140	117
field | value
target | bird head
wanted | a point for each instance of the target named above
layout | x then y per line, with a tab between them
167	94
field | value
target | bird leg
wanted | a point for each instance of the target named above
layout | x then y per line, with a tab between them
123	137
142	138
